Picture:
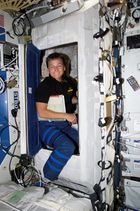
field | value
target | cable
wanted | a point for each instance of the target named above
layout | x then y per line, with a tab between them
15	142
2	85
6	149
19	25
4	67
8	33
28	175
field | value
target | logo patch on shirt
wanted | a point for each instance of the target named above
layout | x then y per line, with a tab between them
70	90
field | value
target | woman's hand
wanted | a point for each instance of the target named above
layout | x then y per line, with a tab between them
71	118
74	100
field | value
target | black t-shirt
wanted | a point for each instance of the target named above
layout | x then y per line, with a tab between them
51	87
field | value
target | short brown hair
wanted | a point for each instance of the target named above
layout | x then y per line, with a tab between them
55	55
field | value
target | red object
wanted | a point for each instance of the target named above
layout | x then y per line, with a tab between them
1	21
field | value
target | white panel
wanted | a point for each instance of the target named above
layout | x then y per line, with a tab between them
131	145
130	165
68	8
22	97
131	123
132	192
131	61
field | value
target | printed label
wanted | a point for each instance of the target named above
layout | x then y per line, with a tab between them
16	100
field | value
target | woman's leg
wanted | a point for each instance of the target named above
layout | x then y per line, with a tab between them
63	140
63	149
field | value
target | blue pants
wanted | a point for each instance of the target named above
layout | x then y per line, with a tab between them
63	139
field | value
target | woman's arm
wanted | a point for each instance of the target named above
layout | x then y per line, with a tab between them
46	113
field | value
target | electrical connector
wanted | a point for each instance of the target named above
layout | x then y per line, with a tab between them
25	160
14	112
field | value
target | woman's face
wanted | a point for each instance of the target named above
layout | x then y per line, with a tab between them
56	68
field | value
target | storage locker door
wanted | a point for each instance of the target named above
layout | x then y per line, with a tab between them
4	128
